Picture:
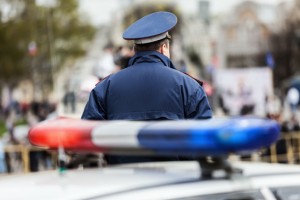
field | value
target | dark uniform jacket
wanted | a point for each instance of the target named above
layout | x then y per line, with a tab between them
150	88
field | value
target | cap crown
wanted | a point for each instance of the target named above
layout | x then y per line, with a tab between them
150	26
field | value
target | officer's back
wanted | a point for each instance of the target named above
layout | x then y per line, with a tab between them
151	90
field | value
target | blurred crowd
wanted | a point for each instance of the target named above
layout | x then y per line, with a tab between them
279	106
18	117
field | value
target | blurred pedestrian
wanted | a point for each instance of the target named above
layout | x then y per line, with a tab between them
122	57
290	125
273	107
10	120
150	88
69	101
293	98
39	111
245	98
2	159
106	64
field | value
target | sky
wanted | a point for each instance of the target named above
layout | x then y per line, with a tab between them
100	11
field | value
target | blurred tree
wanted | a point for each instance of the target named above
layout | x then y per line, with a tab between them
195	59
36	41
285	46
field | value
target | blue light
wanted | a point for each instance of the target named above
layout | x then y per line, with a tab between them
209	137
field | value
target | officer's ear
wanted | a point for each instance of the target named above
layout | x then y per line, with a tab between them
165	45
164	49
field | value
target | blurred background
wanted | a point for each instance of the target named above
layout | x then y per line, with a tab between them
53	52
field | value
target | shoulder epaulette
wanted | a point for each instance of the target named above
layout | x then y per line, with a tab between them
101	79
198	81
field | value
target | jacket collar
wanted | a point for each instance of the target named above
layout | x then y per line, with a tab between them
151	56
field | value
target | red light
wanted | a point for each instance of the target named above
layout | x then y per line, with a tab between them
71	134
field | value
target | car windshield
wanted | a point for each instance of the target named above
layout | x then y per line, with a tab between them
287	193
243	195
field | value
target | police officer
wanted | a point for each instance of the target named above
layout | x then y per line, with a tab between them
150	88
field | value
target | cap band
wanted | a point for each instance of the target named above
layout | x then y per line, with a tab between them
151	39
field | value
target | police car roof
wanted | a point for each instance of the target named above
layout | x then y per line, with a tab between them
170	180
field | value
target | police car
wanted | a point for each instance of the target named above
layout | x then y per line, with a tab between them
210	176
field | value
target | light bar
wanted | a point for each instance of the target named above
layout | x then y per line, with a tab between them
181	137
